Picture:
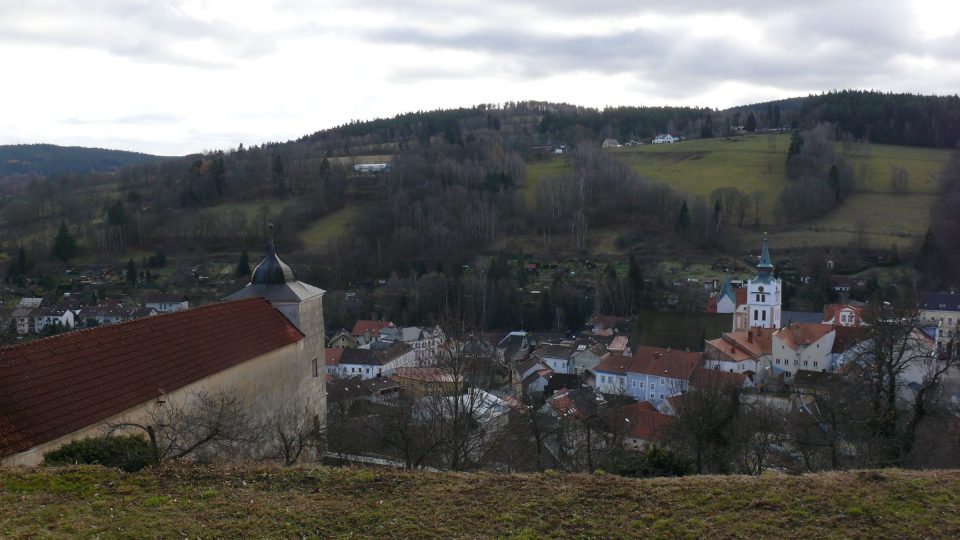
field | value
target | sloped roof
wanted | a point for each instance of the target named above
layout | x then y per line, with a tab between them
803	334
745	344
362	357
942	301
644	424
712	378
58	385
615	363
362	327
665	362
554	351
332	356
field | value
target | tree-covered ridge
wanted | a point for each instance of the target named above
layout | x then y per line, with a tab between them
901	119
45	159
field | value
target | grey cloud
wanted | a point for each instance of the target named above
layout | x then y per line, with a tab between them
155	32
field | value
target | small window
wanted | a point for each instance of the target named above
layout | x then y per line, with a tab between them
778	361
641	385
633	383
315	367
805	363
661	396
788	374
814	363
661	381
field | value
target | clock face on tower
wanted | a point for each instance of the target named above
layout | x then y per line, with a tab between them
761	288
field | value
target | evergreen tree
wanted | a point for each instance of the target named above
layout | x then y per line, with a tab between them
19	268
929	263
751	122
243	267
796	144
131	272
683	219
64	244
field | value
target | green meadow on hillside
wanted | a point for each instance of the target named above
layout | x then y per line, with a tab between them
755	165
269	502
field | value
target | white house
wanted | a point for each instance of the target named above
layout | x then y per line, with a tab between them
167	303
665	138
651	374
51	316
743	351
556	357
943	311
801	346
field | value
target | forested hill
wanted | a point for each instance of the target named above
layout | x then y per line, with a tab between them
47	159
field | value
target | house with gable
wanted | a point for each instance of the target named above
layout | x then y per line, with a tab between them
742	351
664	138
650	374
727	299
365	331
801	346
556	357
843	315
941	309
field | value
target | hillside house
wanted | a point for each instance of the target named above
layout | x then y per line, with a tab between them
342	340
44	317
843	315
801	346
167	303
365	331
650	374
556	357
941	309
642	425
610	143
743	351
664	138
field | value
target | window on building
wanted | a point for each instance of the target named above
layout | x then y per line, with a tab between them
315	367
814	363
805	363
788	374
764	315
777	361
662	381
661	396
796	362
641	385
652	395
633	383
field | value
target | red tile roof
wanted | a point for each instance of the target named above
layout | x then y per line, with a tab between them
665	362
712	378
372	327
332	356
653	361
803	334
55	386
643	424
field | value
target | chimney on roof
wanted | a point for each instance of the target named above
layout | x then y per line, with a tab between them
750	336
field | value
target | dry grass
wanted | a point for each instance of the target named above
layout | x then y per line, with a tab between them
327	502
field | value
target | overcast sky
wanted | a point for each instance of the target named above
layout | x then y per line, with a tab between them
174	77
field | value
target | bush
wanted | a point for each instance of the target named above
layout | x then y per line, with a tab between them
129	453
650	462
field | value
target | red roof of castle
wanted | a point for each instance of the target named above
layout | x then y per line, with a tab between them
55	386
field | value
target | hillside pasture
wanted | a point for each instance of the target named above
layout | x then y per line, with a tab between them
320	233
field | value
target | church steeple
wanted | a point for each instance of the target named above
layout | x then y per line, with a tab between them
271	269
765	266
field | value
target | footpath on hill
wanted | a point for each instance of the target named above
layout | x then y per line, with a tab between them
242	502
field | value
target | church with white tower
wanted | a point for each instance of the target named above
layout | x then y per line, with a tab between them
763	306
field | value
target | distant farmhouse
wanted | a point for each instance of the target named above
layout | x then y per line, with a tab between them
264	346
371	167
665	138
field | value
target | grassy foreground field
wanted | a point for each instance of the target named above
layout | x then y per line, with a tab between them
329	502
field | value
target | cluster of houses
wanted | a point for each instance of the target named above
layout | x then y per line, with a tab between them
767	348
376	348
37	316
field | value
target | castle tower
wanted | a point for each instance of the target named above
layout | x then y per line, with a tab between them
763	294
302	304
